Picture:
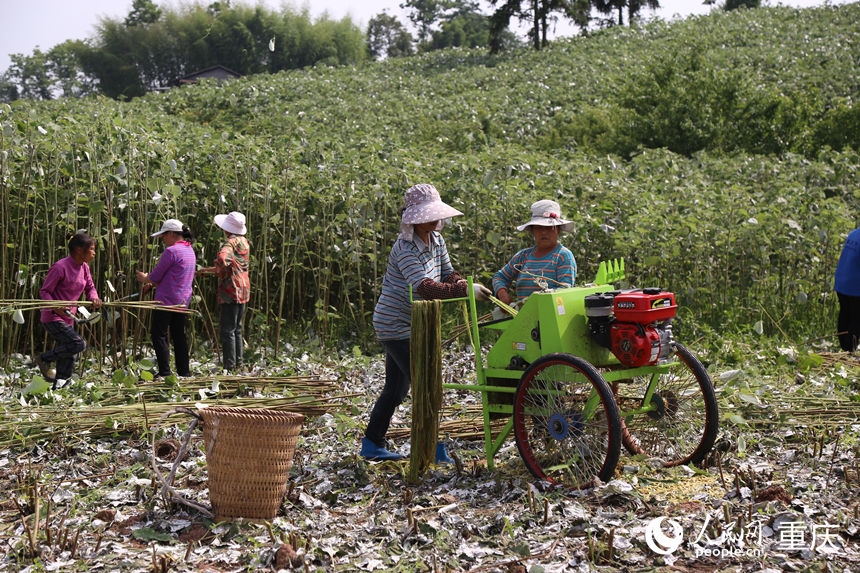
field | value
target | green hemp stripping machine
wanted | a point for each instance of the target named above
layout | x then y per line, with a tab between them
580	371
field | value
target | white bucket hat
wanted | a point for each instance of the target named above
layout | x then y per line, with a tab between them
547	213
232	223
174	225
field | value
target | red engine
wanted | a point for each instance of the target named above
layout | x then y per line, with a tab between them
635	344
635	325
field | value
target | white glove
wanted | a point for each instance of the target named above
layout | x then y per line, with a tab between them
481	292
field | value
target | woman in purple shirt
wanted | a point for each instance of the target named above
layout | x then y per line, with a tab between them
66	280
172	278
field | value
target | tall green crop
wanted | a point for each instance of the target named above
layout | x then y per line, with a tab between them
318	160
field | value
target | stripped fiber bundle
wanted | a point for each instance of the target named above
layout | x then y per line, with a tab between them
426	367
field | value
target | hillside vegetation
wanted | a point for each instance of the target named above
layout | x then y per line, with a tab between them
718	155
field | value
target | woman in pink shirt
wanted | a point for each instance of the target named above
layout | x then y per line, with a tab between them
172	278
66	280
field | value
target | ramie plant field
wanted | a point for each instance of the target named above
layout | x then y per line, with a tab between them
717	155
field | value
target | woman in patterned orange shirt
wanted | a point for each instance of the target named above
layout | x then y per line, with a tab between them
231	267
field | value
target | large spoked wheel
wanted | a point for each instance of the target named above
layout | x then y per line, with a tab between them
566	422
683	424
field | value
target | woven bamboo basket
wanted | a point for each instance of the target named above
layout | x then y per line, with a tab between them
249	453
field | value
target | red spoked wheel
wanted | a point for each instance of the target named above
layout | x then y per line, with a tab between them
683	424
566	423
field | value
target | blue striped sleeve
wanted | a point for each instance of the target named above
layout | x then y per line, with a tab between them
443	260
565	267
505	276
411	267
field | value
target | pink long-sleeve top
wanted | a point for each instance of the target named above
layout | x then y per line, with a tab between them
66	280
173	274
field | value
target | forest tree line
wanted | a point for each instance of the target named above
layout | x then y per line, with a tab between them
153	46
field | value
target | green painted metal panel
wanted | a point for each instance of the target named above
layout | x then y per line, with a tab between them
557	320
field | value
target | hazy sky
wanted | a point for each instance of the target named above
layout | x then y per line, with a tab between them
25	24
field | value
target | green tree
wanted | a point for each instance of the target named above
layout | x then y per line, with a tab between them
633	7
464	26
231	44
111	61
64	66
387	37
735	4
467	31
538	12
216	8
8	88
424	14
128	61
31	75
46	75
152	48
142	12
579	11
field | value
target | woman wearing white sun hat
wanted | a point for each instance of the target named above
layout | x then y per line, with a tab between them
548	261
418	258
234	288
172	278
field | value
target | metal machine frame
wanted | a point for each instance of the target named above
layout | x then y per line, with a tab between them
557	377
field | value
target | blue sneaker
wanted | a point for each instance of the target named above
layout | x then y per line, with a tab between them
371	451
442	454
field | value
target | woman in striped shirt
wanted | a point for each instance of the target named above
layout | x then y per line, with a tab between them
547	263
418	258
172	278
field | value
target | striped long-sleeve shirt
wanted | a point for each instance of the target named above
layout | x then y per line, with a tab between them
409	263
174	273
557	268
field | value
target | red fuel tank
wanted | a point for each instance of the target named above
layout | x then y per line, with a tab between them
645	306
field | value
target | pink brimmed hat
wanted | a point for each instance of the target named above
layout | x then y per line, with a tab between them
234	223
546	213
423	205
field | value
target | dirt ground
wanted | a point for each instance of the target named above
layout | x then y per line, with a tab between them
778	493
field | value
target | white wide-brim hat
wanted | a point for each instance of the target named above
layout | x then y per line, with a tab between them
234	222
423	205
547	213
174	225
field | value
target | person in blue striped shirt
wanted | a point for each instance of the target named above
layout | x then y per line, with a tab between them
418	258
546	265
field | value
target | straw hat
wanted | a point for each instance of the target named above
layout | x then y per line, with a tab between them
232	223
174	225
547	213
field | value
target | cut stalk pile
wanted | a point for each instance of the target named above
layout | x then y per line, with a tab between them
833	359
467	425
809	410
226	386
26	424
11	305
